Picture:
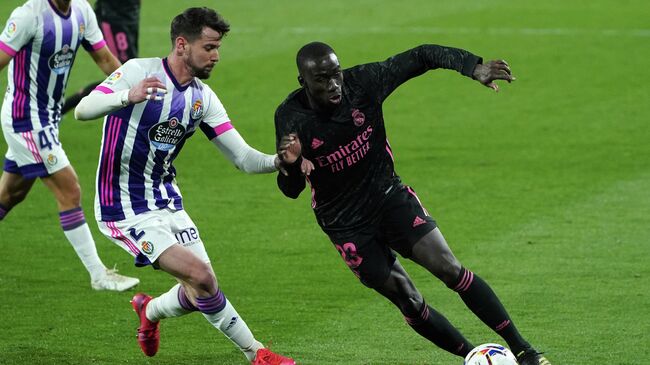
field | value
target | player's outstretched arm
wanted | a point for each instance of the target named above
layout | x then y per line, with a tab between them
487	73
100	103
243	156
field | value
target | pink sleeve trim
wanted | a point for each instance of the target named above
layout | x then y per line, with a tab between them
223	128
104	89
99	45
8	50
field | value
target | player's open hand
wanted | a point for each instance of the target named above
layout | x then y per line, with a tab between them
148	89
486	73
289	149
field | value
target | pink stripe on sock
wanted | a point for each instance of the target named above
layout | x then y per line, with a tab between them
462	281
470	279
425	313
222	128
503	325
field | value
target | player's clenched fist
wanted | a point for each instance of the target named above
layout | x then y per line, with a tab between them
148	89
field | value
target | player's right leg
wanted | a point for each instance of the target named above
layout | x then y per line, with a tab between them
64	184
17	180
376	267
170	241
424	320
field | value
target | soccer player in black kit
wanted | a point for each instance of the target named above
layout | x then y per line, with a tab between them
360	202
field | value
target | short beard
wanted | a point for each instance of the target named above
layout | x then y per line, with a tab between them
201	73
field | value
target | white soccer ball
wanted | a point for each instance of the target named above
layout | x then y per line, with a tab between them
490	354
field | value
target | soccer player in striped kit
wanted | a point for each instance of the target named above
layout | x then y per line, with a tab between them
39	43
119	21
152	106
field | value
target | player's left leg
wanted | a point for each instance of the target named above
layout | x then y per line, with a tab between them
414	234
424	320
433	253
64	184
13	189
188	261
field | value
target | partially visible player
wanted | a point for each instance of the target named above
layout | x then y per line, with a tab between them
360	201
152	107
119	21
39	43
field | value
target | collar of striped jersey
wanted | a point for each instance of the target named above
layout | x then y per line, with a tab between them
171	76
58	12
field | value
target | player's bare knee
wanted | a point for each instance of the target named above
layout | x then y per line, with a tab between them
71	195
203	279
449	271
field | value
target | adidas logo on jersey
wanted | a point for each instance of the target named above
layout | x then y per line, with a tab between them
418	221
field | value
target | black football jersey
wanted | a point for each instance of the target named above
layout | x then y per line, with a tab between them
354	171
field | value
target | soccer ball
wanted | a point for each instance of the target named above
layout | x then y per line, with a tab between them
490	354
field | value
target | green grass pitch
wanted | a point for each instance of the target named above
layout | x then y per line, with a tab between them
543	189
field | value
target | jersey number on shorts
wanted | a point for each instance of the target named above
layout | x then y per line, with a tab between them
349	254
43	139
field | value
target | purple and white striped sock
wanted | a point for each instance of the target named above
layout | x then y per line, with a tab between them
71	219
212	305
185	303
223	316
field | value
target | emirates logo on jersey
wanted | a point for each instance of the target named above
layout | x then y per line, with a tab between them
166	135
61	61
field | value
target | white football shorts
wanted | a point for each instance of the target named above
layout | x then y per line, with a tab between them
32	154
147	235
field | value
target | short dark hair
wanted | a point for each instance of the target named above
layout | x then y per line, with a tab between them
191	22
311	51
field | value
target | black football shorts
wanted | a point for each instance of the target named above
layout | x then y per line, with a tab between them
370	251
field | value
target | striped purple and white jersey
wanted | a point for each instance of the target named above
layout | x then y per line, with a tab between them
43	43
140	142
